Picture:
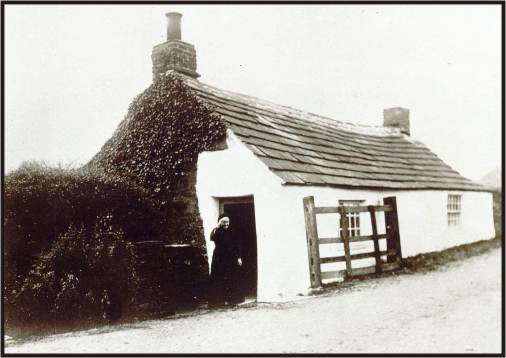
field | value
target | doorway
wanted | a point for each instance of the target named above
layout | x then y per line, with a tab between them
241	211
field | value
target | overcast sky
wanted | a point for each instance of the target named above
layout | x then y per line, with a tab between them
72	70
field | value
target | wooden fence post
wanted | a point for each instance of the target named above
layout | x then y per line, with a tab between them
344	236
392	226
313	246
372	212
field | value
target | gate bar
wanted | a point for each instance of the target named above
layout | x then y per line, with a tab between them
312	242
392	228
372	212
344	236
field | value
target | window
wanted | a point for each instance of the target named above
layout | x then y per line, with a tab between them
353	218
453	207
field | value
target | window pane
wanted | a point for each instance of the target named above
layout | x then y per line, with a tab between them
453	209
353	218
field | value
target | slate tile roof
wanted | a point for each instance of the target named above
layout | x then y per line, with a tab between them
307	149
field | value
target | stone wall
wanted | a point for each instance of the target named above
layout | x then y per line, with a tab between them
174	55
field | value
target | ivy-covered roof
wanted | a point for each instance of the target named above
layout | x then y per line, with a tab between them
156	146
307	149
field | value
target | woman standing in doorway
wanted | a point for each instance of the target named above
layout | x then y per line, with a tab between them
225	267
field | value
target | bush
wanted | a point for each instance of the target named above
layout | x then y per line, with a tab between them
42	202
83	277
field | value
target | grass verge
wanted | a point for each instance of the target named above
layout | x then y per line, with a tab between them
434	260
421	263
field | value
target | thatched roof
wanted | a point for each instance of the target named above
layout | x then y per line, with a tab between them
307	149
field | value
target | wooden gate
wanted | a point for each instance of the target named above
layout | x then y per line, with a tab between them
393	252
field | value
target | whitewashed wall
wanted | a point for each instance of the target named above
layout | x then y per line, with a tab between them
281	240
237	172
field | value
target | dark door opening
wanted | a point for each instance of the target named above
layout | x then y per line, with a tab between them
241	212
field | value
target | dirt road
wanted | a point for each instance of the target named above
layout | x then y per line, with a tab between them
456	309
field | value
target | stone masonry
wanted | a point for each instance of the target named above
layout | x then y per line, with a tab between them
174	55
397	117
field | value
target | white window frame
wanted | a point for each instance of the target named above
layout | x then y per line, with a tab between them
454	209
353	218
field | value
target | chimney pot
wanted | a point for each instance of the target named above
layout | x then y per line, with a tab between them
397	117
173	26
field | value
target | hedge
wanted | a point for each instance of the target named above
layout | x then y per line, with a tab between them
45	206
83	278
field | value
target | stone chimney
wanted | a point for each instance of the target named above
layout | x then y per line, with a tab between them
174	54
397	117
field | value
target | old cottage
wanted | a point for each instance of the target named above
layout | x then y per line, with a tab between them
273	156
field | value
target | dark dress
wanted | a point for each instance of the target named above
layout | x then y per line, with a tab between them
225	272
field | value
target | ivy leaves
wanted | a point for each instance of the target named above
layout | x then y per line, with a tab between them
164	131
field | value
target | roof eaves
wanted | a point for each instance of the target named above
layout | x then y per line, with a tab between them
383	188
